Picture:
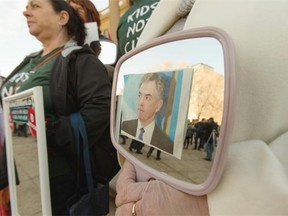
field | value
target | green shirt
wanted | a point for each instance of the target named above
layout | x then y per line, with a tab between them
32	75
132	23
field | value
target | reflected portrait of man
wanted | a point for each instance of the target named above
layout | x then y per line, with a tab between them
150	102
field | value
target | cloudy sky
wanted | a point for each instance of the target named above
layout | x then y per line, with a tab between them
15	40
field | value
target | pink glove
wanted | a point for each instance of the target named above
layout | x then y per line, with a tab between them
154	197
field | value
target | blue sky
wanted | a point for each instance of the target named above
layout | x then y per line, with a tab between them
15	40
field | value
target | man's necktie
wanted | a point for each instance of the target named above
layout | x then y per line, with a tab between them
142	131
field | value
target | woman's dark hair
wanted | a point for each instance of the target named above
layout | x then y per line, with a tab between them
92	15
75	26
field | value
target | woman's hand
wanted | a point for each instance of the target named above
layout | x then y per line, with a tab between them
154	197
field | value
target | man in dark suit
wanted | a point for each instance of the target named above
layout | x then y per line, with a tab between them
150	101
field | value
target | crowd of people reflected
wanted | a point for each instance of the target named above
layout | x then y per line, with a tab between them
203	134
194	168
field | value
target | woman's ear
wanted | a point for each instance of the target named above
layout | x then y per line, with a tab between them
63	18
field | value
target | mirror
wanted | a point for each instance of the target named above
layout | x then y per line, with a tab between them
27	153
175	85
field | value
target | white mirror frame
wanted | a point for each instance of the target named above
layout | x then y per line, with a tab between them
228	110
37	93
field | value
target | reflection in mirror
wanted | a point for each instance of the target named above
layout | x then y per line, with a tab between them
26	153
189	111
28	188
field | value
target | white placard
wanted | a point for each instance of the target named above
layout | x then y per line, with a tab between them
92	32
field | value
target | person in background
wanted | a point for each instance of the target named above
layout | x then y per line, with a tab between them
199	134
22	130
89	13
151	149
210	131
73	80
131	24
137	146
188	136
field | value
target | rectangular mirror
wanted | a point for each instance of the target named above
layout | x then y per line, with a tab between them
175	83
26	148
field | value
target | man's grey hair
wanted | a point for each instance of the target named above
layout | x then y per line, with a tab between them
160	83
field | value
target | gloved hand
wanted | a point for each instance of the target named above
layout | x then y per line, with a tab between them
154	197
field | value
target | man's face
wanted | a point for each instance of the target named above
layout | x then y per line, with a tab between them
148	102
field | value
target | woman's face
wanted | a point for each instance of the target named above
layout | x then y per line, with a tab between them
80	10
43	22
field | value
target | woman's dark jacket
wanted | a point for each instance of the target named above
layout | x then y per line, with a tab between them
79	82
3	169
